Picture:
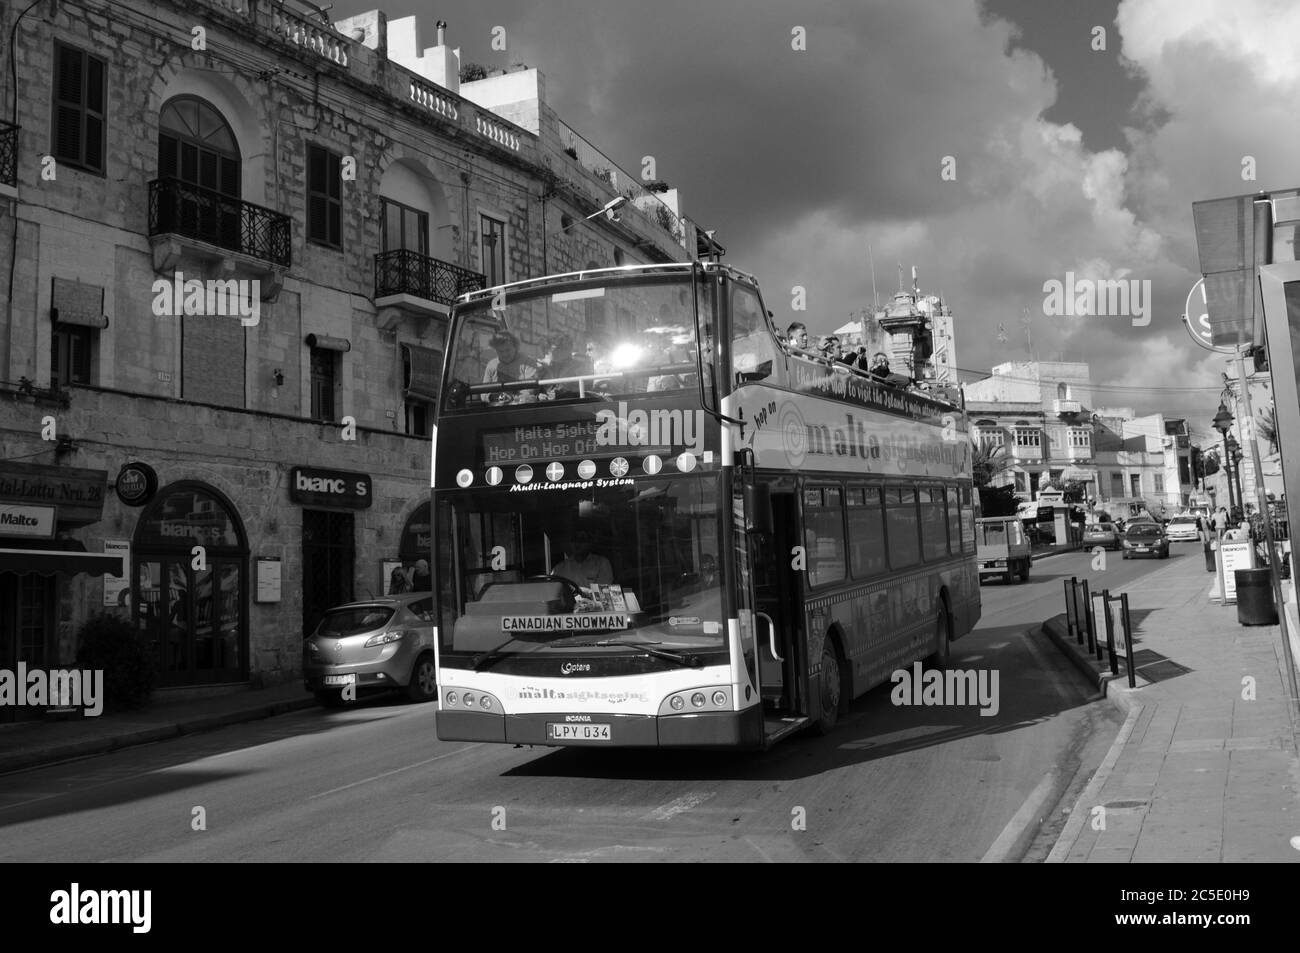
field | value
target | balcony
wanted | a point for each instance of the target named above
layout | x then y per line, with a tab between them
1065	407
421	285
1078	454
1023	454
8	160
221	235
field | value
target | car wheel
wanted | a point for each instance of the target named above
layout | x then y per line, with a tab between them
329	699
423	686
830	687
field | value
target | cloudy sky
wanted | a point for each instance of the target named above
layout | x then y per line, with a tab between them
1067	158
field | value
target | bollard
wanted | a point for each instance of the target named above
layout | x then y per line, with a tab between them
1128	640
1255	597
1110	632
1069	607
1209	556
1087	617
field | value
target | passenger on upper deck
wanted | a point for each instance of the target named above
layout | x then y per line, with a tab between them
796	338
509	365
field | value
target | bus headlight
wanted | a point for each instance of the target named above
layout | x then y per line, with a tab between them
468	699
719	699
678	703
698	699
485	702
450	698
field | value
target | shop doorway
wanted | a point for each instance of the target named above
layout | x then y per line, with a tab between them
328	556
192	606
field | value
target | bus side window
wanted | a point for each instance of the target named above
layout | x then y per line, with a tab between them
866	532
824	535
954	522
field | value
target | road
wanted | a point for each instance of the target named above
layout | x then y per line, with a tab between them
374	783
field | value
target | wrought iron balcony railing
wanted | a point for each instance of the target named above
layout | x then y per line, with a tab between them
179	208
403	271
8	154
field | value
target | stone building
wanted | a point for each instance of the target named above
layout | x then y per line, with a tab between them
232	234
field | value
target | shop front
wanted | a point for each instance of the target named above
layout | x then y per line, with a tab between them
191	586
40	508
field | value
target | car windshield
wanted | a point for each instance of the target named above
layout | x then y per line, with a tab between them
353	620
1143	529
602	338
635	563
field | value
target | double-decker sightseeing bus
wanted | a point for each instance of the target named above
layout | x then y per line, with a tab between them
655	526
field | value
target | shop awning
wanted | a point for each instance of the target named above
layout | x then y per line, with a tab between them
1080	474
49	561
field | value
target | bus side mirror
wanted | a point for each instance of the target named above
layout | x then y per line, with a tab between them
758	508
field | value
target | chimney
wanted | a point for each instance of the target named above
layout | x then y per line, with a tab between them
442	32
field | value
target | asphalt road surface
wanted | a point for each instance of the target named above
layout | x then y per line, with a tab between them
374	783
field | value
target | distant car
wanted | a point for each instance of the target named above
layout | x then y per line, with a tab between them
1144	538
1101	534
1182	529
373	645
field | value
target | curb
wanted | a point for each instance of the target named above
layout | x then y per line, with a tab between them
73	750
1122	699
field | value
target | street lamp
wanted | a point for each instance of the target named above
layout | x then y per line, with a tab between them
1223	423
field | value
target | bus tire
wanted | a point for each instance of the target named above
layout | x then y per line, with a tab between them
830	689
939	658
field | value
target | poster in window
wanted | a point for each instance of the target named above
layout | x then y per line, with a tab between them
117	588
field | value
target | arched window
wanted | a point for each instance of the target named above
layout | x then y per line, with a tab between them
196	145
196	620
1062	391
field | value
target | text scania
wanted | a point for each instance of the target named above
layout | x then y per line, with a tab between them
650	428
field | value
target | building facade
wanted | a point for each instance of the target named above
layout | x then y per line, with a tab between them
1036	413
233	235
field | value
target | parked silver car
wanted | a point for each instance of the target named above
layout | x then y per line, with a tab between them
372	645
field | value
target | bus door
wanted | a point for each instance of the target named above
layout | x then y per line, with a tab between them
778	598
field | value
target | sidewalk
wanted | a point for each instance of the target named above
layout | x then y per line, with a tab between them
1197	772
29	744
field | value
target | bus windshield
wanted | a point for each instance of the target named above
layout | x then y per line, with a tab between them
594	339
620	564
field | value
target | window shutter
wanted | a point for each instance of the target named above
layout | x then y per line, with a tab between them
424	365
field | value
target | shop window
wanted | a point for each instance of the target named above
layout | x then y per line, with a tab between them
194	619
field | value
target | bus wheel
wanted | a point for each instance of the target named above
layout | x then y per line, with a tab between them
943	639
830	689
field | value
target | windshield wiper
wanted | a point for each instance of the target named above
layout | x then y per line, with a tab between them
690	661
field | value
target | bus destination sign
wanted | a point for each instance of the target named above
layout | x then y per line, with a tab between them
567	440
645	430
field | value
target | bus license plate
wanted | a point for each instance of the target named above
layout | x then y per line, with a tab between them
558	732
340	679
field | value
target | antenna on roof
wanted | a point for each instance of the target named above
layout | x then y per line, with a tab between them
875	298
